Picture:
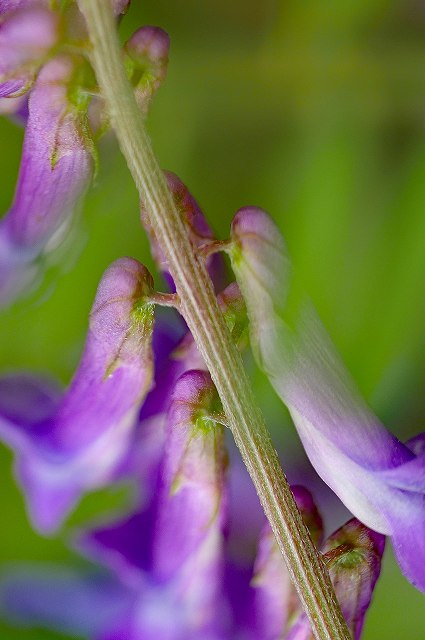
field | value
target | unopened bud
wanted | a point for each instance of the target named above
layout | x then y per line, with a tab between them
147	60
353	557
196	225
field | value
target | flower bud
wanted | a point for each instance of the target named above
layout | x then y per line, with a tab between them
78	446
120	7
353	557
147	60
196	226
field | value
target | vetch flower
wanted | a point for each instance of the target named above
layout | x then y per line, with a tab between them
172	552
173	358
68	445
64	115
167	559
55	170
380	480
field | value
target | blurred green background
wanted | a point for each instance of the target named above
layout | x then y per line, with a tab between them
316	112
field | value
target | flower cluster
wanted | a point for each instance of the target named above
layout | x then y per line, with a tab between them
142	407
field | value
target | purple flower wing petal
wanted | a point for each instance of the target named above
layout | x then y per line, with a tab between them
50	492
123	546
408	536
62	599
26	401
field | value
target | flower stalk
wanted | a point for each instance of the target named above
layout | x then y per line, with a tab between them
199	307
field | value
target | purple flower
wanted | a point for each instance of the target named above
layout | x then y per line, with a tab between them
70	444
168	558
55	170
172	552
381	480
173	358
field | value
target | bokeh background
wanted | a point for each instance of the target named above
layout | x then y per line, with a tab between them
316	112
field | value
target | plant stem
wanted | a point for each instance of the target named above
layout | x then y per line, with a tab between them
201	312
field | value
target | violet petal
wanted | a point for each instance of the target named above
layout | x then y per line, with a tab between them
55	169
78	446
187	546
62	599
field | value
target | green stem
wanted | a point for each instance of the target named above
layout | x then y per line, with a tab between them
201	312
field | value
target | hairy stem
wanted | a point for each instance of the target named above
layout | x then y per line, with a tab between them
201	312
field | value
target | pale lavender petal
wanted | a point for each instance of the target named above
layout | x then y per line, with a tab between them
294	349
115	372
27	33
56	162
193	476
80	444
62	599
55	169
376	476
